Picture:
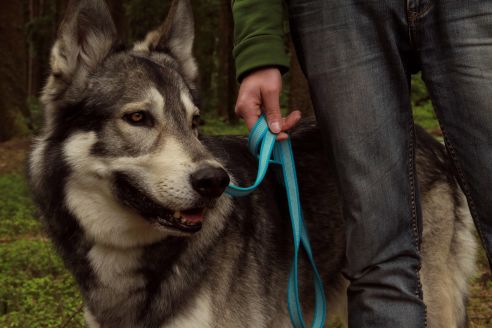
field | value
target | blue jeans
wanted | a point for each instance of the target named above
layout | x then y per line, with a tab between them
358	57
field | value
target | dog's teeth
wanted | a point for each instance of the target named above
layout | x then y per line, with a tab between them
186	222
177	214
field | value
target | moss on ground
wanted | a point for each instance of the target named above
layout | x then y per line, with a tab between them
36	290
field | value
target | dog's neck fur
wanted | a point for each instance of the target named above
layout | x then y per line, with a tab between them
129	282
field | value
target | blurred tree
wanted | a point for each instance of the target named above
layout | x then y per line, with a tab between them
13	70
144	16
118	12
226	88
41	31
44	17
206	26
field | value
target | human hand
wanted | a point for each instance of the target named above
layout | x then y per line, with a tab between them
260	92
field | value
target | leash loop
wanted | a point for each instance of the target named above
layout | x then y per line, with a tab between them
262	144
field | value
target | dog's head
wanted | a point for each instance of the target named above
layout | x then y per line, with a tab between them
126	123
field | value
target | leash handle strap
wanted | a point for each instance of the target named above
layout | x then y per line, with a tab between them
262	143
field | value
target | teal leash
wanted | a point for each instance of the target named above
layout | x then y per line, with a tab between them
262	143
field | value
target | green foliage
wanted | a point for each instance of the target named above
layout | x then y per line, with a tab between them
423	111
30	257
425	116
218	126
36	289
36	111
16	210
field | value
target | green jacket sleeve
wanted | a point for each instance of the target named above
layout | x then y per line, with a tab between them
258	35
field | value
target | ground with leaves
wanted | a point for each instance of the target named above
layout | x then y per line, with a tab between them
36	290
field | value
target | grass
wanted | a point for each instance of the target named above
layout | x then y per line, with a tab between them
218	126
37	291
423	112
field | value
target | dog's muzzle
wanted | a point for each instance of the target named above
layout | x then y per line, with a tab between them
208	181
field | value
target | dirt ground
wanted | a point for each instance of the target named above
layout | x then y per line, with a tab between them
13	155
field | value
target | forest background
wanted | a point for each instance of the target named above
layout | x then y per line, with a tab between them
35	289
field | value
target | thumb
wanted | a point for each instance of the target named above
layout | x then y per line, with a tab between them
271	105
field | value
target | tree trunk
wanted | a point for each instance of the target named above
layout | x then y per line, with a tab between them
13	70
227	87
206	26
299	97
32	63
119	17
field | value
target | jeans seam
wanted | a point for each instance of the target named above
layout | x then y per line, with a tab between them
465	187
410	21
415	231
413	15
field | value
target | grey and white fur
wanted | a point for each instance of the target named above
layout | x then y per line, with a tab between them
119	169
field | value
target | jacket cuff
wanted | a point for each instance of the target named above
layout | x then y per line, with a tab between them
260	51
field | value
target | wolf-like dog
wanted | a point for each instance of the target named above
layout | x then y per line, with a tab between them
132	195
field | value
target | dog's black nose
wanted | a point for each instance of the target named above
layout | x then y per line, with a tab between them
210	181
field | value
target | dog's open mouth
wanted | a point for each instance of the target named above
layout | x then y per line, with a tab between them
185	220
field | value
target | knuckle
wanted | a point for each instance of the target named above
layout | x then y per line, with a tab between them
272	112
271	90
273	117
240	107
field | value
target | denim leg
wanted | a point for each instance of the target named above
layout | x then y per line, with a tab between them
354	56
455	43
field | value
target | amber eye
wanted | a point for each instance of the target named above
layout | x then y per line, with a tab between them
137	118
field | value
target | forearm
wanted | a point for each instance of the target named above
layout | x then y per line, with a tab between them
259	35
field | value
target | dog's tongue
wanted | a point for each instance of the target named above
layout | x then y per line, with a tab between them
194	215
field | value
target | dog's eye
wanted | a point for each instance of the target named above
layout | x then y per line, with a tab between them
195	121
137	118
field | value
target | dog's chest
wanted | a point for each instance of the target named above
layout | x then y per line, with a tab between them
199	314
122	290
115	268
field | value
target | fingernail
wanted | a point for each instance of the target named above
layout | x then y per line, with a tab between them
275	127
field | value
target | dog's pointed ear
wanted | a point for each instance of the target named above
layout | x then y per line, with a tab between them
175	37
86	36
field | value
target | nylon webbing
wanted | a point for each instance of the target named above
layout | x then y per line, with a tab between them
262	143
